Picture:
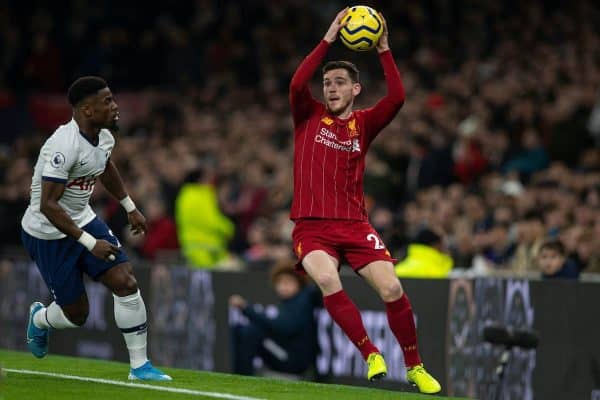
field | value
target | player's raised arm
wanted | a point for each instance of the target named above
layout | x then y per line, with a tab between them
386	108
111	180
383	44
301	100
334	29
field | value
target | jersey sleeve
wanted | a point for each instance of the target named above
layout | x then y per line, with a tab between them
378	116
59	155
301	100
110	141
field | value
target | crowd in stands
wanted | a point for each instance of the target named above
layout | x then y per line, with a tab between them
494	153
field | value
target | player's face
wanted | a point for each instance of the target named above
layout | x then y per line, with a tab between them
104	110
339	90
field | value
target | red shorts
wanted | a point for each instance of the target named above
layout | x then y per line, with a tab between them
356	242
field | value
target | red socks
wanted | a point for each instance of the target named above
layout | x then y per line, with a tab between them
402	324
400	317
346	315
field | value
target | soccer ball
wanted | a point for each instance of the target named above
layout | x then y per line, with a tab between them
363	28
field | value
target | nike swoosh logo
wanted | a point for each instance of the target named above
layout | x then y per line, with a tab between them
83	162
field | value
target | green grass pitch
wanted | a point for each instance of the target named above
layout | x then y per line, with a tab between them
109	381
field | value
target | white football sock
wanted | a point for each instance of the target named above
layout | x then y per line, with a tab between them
39	319
130	315
52	317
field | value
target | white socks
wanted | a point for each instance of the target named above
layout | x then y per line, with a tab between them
130	316
52	317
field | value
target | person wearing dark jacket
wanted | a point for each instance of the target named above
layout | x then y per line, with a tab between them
554	263
287	342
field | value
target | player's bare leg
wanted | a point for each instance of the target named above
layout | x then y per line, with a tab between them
77	312
381	275
323	269
131	318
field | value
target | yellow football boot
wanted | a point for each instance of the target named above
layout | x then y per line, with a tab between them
377	367
421	378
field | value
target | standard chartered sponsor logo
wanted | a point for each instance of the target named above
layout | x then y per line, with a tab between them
330	139
333	145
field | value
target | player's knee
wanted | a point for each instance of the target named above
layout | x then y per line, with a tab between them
126	286
328	282
391	291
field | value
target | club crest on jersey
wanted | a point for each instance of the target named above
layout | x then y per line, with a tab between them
327	121
352	129
58	159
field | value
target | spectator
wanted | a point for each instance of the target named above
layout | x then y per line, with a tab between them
287	342
532	158
420	172
469	160
162	231
531	235
425	258
202	229
554	263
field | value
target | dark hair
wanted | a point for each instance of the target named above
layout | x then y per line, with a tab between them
84	87
553	244
428	237
195	175
533	215
547	184
421	141
286	267
347	65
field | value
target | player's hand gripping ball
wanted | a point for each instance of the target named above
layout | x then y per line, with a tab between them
363	28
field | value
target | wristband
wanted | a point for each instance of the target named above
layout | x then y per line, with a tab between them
128	204
87	240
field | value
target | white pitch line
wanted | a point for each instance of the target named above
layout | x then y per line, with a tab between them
133	385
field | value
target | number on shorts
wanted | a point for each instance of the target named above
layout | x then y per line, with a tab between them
378	244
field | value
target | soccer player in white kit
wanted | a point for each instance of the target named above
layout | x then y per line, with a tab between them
64	236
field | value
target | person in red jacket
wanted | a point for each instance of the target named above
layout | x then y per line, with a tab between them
162	231
330	143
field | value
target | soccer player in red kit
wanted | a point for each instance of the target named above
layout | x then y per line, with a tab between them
330	143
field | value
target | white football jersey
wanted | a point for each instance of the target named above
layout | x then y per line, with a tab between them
70	158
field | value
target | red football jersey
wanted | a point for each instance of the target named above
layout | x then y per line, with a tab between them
329	153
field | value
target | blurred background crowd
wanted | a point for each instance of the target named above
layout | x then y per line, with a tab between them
494	152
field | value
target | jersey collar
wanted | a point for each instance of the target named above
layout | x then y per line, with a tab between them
338	120
85	136
90	141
